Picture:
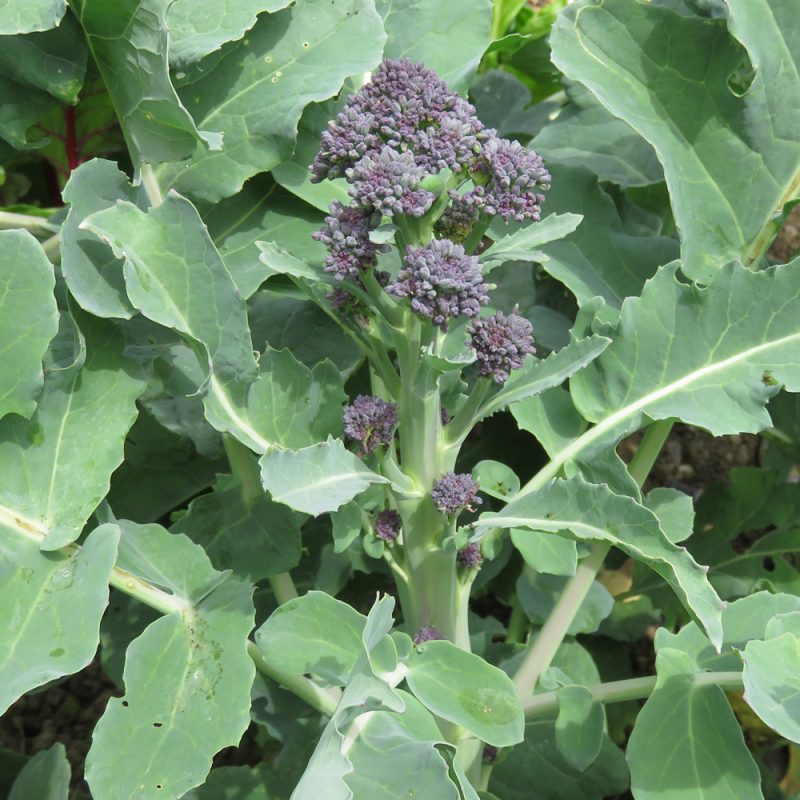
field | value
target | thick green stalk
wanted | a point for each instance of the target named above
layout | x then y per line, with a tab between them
10	220
541	705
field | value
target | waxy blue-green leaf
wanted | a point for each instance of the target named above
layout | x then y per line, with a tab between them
197	29
463	688
48	473
279	261
51	603
232	783
687	741
772	681
255	541
551	417
318	478
678	96
45	777
525	243
710	356
503	102
495	479
255	90
535	770
25	16
551	555
675	512
580	726
187	677
129	43
28	320
425	33
92	272
315	633
592	512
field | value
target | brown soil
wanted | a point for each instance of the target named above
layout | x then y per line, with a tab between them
787	244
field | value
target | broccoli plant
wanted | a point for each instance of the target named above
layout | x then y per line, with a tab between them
329	398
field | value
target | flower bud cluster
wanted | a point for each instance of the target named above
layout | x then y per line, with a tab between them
387	525
370	421
455	492
501	343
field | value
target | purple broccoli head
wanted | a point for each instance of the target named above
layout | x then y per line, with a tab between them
455	492
470	556
501	343
370	421
427	634
387	525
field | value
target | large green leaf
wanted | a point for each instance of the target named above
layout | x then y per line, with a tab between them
128	40
669	77
316	479
24	16
45	777
580	726
711	356
52	604
593	512
28	320
187	677
197	29
47	472
462	688
254	90
93	274
688	743
231	783
425	33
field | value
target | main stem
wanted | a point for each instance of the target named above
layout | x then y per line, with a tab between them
541	654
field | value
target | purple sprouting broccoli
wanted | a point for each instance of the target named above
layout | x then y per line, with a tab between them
458	218
387	525
501	343
388	183
470	557
427	634
346	235
442	282
454	492
345	302
370	421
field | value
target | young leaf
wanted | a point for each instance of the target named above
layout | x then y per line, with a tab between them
524	244
46	472
52	604
680	99
593	512
580	727
707	756
258	88
45	777
462	688
28	320
129	43
316	479
187	678
315	634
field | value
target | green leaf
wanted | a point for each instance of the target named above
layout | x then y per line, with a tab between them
580	727
538	375
552	555
495	479
280	262
585	135
536	770
593	512
28	320
503	102
52	604
187	677
231	783
551	417
425	33
524	244
462	688
195	29
316	479
772	682
255	542
45	777
707	759
46	472
679	97
129	43
21	108
711	357
315	634
675	512
24	16
93	275
255	90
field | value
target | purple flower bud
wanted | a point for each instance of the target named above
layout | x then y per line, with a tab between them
515	177
427	634
387	525
345	302
389	183
442	281
346	235
458	218
349	137
453	493
490	753
371	421
470	556
501	343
